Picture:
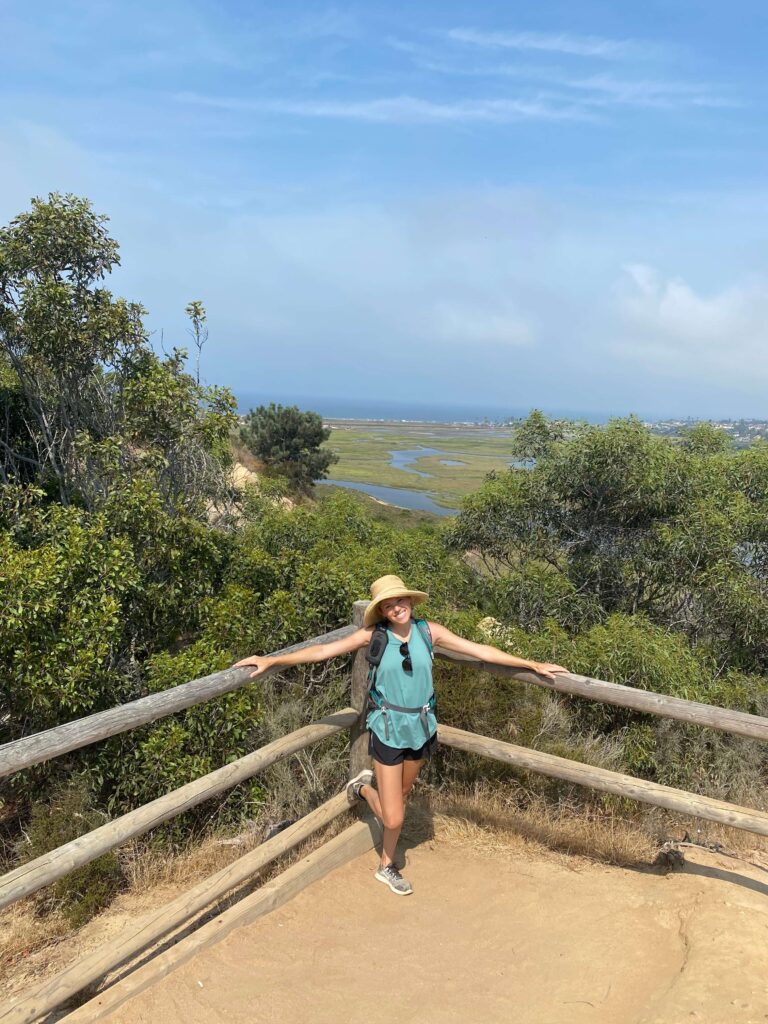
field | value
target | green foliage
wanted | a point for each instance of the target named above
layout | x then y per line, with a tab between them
535	592
101	607
634	652
643	561
84	596
199	330
632	523
706	439
86	400
68	814
289	442
536	436
60	626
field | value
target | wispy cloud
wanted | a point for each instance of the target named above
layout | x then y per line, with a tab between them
661	94
548	42
400	109
594	90
330	23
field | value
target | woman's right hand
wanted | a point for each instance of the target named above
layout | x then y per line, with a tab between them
261	662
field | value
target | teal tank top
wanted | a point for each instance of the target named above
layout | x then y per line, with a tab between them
406	689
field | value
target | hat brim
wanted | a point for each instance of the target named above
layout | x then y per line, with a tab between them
372	612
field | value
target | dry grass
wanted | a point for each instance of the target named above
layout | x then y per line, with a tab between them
245	456
490	824
493	823
146	868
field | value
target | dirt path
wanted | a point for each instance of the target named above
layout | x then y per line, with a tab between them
489	937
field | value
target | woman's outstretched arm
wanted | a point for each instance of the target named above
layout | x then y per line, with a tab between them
442	637
308	655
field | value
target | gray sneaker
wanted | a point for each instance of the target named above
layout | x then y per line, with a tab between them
391	876
363	778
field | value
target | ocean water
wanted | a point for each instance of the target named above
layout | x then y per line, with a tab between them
390	409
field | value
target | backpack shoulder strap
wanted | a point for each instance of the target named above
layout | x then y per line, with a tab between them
380	627
373	665
423	627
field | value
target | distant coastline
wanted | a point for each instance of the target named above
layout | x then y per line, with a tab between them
389	410
742	431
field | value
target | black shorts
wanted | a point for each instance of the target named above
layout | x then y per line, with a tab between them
385	754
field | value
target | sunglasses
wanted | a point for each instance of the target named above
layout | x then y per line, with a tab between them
406	656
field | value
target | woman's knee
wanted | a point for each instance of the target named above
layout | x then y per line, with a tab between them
392	817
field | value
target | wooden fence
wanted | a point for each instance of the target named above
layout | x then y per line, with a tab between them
357	838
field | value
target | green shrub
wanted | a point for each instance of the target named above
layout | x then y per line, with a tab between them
68	814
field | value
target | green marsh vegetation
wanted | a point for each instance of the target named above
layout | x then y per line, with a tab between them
365	457
128	564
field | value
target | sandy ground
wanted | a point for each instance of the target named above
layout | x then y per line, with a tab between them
490	936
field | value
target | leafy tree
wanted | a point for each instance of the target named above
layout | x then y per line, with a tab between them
289	442
85	400
113	462
86	597
706	439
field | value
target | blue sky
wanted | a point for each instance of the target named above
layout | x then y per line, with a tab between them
561	204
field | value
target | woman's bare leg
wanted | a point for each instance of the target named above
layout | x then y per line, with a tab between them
371	797
410	771
389	784
394	783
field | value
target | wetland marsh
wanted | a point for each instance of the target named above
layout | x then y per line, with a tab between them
443	461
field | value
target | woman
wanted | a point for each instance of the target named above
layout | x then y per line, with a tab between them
401	720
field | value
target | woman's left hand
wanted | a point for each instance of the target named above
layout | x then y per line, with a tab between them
543	668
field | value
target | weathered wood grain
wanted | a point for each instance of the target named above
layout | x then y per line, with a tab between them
606	781
46	869
43	746
358	750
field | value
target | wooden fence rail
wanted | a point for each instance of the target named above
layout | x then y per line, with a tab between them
606	781
43	746
740	723
54	865
355	840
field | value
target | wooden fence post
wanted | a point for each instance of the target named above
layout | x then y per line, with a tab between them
358	747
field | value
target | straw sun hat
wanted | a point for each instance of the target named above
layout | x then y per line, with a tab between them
383	589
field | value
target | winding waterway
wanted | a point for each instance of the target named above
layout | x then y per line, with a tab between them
403	457
418	500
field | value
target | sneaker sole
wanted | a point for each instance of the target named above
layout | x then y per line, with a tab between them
366	777
386	881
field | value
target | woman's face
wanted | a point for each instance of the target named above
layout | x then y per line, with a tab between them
397	609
